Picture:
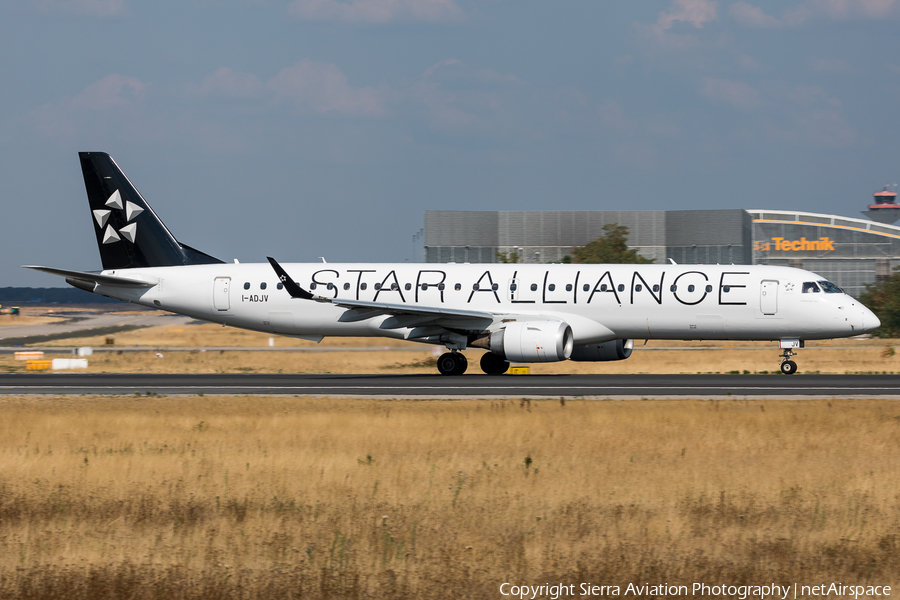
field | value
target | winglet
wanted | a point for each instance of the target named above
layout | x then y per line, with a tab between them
289	284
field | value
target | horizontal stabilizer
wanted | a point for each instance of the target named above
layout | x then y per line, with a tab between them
94	277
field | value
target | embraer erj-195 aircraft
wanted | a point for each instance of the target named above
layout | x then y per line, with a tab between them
521	313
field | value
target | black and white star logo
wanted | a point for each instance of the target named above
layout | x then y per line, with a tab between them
129	231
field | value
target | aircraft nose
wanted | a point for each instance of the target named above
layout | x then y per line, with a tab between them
871	322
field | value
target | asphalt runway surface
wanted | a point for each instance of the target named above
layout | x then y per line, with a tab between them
475	385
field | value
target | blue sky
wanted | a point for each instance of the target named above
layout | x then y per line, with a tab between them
307	128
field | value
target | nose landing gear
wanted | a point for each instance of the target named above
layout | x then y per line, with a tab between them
789	367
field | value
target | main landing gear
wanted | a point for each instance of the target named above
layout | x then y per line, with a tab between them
452	363
455	363
493	364
789	367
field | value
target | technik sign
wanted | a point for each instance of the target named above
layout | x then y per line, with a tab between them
784	245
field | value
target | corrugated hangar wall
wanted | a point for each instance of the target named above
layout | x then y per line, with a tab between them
548	236
709	236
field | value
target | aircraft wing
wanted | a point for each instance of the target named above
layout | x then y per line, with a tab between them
94	277
404	314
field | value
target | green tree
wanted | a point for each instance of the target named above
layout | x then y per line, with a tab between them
510	257
611	247
883	299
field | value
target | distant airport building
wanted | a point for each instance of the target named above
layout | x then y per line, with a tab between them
849	252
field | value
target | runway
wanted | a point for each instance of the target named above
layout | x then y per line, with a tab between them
438	386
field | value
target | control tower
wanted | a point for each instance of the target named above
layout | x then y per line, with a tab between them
884	210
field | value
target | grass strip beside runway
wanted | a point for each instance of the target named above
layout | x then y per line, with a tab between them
206	497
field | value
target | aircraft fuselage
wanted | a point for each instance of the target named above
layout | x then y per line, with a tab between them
600	302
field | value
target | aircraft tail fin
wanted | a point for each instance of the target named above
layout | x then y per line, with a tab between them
129	234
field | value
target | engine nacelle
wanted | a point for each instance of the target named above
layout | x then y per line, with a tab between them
611	350
531	341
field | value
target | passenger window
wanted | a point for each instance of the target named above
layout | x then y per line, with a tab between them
312	286
247	286
346	286
726	289
552	287
377	286
441	286
621	287
638	287
568	287
475	287
407	287
673	288
708	289
495	287
603	288
690	288
330	286
810	287
512	287
363	286
656	288
394	287
533	287
424	286
587	287
262	286
280	286
457	287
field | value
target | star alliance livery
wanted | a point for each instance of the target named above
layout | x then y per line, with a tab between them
520	313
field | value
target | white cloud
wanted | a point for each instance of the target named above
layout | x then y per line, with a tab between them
323	88
376	11
112	91
808	96
694	12
107	100
94	8
749	15
226	82
444	63
738	94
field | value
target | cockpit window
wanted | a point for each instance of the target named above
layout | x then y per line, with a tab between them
810	287
830	288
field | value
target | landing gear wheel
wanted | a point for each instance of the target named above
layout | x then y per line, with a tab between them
493	364
452	363
788	367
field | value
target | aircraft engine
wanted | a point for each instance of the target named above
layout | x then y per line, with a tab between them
611	350
531	341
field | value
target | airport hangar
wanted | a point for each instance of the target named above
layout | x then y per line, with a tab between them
847	251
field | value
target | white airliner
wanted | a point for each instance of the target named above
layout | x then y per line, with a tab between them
520	313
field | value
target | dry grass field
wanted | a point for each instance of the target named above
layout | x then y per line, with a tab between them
247	497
